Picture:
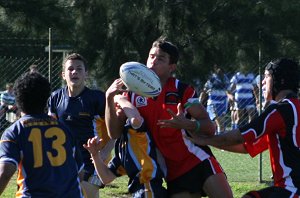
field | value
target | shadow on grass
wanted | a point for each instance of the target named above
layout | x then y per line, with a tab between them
268	183
112	186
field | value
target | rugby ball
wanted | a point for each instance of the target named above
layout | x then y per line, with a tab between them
140	79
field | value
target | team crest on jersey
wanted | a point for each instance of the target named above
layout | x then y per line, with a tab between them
140	101
172	98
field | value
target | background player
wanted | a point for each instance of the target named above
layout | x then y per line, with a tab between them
42	150
82	110
243	94
216	88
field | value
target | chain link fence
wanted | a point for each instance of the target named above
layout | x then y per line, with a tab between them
232	98
213	92
11	68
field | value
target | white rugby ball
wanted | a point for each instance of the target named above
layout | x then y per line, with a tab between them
140	79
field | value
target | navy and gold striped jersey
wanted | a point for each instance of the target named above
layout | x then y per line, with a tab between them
83	114
46	155
136	156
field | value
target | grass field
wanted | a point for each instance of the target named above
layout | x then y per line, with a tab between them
242	172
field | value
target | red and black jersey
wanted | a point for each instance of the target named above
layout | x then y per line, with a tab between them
180	154
278	128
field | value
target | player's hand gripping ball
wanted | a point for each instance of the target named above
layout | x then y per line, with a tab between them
140	79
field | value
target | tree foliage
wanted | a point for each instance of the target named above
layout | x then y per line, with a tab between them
109	33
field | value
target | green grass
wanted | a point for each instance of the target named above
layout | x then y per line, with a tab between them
242	172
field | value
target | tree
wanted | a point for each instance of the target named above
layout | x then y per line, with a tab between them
110	33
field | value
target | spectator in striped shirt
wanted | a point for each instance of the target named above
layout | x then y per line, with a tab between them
244	85
217	104
8	106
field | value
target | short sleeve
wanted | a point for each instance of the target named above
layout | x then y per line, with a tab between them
270	121
9	150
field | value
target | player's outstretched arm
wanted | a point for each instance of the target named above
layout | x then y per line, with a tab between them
114	118
200	124
225	139
7	170
104	173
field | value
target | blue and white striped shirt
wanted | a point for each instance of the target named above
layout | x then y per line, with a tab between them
244	86
216	89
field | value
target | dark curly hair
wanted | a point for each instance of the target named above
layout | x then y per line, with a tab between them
32	91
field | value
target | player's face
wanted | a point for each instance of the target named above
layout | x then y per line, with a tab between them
159	62
74	73
267	85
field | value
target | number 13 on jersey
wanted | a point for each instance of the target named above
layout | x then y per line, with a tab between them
58	138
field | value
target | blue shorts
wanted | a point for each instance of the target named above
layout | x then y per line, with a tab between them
216	110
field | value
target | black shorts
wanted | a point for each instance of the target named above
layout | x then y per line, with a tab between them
194	179
270	192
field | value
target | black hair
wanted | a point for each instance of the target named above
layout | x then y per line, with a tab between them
32	91
285	75
169	48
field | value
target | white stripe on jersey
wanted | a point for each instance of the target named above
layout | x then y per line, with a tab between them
296	144
197	151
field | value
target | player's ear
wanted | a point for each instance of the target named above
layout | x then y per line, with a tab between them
63	75
172	67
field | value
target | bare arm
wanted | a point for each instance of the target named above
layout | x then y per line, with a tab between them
230	92
224	140
130	111
238	148
203	96
199	114
7	170
114	119
102	170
